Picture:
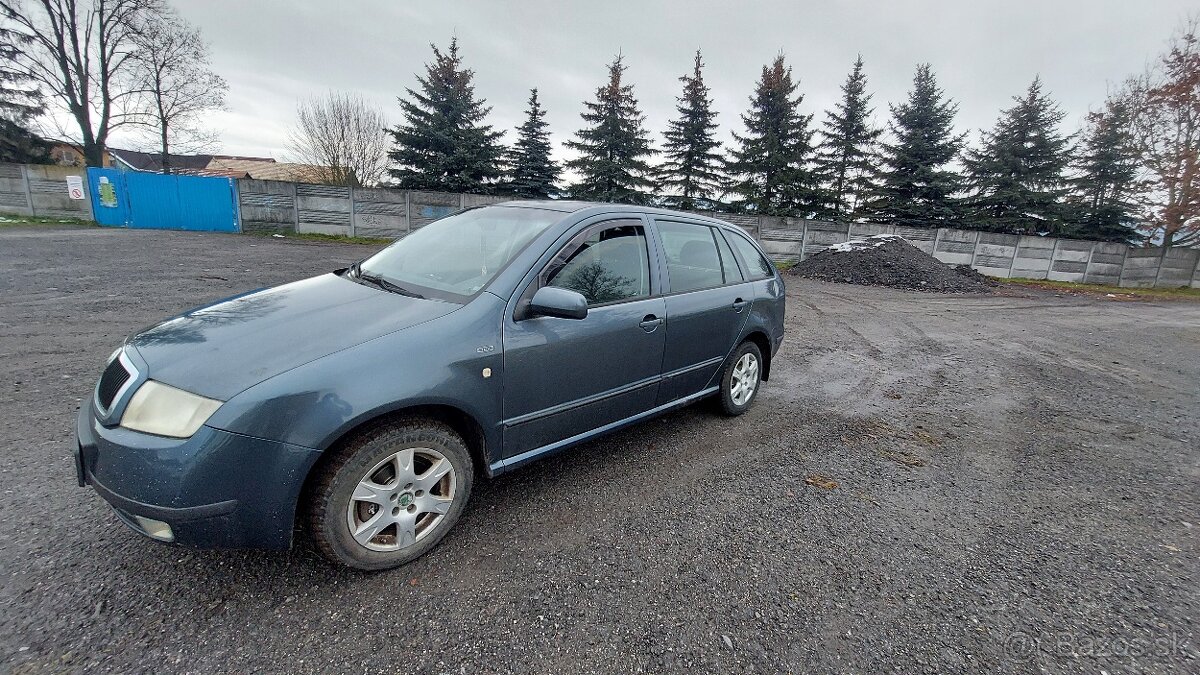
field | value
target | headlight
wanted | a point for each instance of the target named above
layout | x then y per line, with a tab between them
166	411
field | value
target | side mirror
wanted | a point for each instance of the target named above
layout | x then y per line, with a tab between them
558	302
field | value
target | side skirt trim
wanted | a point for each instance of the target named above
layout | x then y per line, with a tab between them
517	460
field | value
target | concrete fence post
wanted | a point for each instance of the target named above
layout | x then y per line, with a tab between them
28	190
937	238
351	192
1053	256
1195	273
1012	264
803	238
1087	268
407	211
1162	260
295	208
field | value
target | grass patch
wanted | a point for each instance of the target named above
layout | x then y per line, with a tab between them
327	238
1184	293
26	221
785	265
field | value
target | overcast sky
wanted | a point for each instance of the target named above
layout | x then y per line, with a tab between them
275	52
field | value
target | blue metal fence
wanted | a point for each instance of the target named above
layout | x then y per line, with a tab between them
160	201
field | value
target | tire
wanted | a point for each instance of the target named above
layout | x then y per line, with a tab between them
390	487
745	365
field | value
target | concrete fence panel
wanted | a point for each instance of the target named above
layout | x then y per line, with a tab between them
380	213
1033	257
1178	267
864	230
1141	267
267	205
995	253
323	209
426	207
49	195
783	240
14	191
955	247
469	201
923	238
1070	260
748	223
1105	265
823	234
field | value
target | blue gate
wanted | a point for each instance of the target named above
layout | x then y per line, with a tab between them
161	201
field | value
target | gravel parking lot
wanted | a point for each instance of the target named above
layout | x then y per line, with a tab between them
928	483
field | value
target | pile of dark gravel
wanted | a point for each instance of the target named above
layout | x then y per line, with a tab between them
889	260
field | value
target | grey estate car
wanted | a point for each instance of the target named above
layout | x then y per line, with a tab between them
362	404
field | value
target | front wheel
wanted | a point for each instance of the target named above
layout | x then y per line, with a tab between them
739	382
390	495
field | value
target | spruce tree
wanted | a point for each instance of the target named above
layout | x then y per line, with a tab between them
20	103
847	153
531	172
691	170
769	167
443	143
1016	178
1103	191
915	185
614	147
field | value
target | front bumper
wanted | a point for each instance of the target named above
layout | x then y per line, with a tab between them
216	489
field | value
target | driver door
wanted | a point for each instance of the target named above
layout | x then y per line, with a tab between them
565	377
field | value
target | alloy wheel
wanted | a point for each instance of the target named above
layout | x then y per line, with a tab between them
402	499
745	379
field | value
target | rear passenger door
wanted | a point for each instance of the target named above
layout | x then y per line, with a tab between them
707	303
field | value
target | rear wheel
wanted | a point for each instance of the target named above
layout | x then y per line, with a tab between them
739	382
390	495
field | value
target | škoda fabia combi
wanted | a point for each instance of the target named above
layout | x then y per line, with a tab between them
360	405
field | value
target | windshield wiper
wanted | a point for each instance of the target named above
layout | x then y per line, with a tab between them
386	284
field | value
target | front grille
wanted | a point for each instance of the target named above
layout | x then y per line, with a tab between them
115	376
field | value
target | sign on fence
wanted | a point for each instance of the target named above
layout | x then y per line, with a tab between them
75	188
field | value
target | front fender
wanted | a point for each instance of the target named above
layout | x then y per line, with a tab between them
440	362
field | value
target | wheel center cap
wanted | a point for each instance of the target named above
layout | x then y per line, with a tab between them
406	498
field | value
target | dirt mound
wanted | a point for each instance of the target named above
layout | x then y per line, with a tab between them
889	260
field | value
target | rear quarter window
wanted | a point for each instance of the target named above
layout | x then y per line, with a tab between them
760	267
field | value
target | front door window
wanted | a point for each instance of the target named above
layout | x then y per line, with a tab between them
606	265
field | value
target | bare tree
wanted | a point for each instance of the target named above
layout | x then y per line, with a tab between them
79	52
172	65
1166	127
342	135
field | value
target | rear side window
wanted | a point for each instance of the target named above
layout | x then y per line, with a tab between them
760	267
606	264
693	261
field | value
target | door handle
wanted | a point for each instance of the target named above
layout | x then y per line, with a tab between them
650	323
739	305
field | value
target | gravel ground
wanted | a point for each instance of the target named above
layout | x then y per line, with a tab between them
889	260
928	483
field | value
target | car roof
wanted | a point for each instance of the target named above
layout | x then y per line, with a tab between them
587	209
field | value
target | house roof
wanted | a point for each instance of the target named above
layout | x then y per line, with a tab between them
231	166
252	167
152	161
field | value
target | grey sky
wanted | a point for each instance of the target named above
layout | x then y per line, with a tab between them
274	52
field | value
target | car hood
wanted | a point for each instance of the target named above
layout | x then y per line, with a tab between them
230	345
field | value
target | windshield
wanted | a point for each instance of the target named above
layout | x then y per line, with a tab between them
456	256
